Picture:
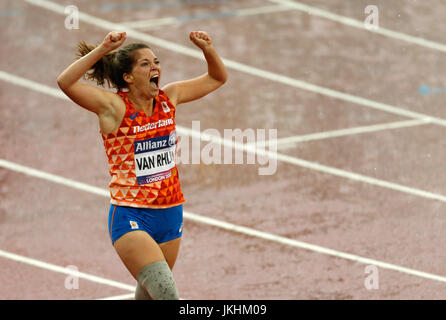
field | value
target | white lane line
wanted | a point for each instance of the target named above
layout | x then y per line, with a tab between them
33	85
262	152
311	247
360	24
59	269
285	142
331	93
145	24
53	178
215	223
271	76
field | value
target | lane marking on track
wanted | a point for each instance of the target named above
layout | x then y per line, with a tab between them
210	222
290	141
360	24
253	149
271	76
67	271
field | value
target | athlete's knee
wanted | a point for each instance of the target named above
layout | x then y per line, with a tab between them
157	279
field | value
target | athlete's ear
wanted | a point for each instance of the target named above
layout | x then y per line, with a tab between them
128	78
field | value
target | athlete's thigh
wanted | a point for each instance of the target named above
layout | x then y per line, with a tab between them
170	251
137	249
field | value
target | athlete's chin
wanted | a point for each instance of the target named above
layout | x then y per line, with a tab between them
152	93
154	90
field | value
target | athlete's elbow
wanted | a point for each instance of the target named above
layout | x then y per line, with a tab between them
220	79
64	83
61	82
223	79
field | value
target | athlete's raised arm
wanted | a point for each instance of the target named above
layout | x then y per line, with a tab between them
88	96
188	90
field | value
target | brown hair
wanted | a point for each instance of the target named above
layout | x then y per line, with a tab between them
111	67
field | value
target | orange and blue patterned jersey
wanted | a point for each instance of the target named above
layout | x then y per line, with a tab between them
141	157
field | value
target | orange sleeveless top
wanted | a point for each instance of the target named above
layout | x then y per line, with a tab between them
141	157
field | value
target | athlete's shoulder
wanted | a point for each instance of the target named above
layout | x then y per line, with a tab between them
121	96
162	95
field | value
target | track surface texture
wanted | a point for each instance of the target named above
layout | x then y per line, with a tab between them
360	177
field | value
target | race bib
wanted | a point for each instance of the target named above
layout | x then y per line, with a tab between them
154	158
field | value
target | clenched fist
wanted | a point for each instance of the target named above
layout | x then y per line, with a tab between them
201	39
113	40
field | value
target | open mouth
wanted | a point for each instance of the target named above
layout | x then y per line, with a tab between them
154	81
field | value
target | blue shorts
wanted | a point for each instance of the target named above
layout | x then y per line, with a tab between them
161	224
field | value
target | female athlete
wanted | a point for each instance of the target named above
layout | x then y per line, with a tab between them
137	124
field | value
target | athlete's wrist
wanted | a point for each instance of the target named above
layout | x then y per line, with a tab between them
102	50
208	49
